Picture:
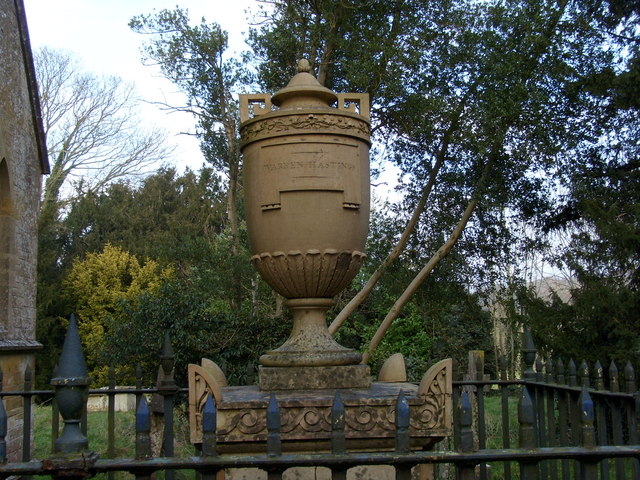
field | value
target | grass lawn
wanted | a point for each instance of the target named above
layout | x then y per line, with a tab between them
97	434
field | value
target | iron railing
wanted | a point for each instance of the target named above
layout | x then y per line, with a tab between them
569	426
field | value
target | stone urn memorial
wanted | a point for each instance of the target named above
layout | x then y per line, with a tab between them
306	179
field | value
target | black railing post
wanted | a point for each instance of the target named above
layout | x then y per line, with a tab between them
143	435
338	439
466	471
539	404
55	417
274	442
26	406
72	458
550	402
111	416
504	402
616	416
209	438
71	392
168	390
138	375
527	419
143	430
589	469
602	411
403	438
634	434
563	416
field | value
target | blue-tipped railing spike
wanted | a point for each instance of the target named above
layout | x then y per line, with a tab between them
143	430
274	443
587	417
402	424
465	417
209	426
72	387
338	441
143	417
3	432
587	414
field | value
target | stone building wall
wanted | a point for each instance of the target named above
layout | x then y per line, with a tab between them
22	163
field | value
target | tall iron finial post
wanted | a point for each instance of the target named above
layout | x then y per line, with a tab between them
71	391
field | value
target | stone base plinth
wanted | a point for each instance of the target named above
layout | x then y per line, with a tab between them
306	418
314	378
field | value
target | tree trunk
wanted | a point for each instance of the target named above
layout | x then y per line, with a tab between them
442	252
362	295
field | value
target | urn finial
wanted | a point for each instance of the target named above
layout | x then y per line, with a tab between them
304	66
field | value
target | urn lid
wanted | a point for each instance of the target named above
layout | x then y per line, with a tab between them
303	91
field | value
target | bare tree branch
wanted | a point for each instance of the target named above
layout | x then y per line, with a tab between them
94	135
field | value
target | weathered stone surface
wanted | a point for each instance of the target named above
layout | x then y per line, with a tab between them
304	378
13	365
393	369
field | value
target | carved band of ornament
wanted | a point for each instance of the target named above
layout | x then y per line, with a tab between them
315	422
305	124
313	273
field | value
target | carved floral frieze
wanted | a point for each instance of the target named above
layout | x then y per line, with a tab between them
304	124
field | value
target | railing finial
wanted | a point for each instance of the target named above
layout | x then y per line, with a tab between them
528	354
72	388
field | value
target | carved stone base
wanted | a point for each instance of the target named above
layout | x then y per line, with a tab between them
314	378
306	414
306	418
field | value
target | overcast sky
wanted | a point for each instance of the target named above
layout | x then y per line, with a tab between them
96	32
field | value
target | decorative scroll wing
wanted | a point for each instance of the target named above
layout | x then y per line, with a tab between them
436	388
201	384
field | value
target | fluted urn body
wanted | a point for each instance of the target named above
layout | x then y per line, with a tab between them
306	178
